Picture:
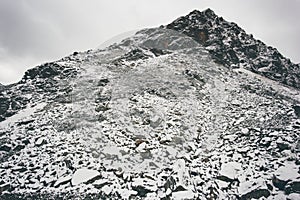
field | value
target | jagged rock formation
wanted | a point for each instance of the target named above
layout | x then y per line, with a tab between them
42	82
152	117
233	47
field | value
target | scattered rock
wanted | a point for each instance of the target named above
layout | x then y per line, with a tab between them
25	122
243	150
107	189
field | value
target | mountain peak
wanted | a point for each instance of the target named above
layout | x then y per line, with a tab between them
205	13
231	46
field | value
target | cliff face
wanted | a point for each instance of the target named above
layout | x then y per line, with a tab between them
152	117
233	47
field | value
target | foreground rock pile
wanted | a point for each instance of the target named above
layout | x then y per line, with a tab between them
153	117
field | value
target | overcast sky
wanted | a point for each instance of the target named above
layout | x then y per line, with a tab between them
36	31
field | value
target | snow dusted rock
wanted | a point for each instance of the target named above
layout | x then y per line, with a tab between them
155	117
282	145
287	177
254	189
245	131
143	186
84	175
230	171
63	180
40	141
287	172
107	189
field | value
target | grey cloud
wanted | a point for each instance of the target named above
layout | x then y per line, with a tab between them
23	33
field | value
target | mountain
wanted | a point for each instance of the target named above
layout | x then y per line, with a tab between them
160	115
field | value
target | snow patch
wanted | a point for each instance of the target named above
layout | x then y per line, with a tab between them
23	114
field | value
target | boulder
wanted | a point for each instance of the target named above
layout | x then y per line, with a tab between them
254	189
285	174
84	175
229	171
143	186
41	141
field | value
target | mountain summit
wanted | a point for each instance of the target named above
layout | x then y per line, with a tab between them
233	47
196	109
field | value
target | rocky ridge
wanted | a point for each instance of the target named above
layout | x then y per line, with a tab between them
233	47
152	117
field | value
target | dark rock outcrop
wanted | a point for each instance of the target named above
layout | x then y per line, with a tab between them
231	46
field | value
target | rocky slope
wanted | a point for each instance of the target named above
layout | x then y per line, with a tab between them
152	117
